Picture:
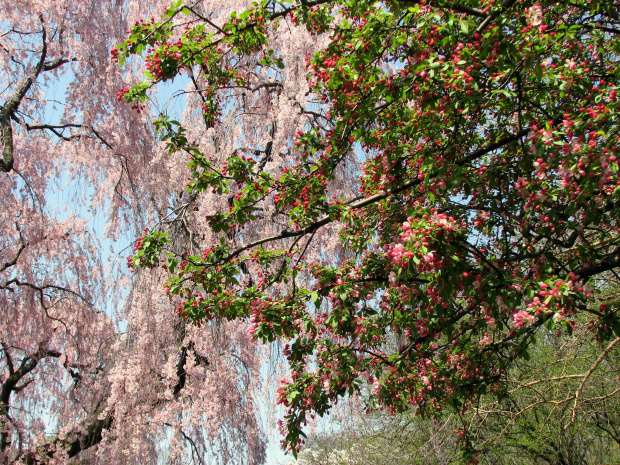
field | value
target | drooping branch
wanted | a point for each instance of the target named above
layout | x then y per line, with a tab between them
191	442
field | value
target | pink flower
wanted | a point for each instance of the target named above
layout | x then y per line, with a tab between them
375	387
521	318
535	15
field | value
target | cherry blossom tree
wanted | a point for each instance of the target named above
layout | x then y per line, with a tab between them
95	365
443	174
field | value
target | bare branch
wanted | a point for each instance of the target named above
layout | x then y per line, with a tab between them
587	375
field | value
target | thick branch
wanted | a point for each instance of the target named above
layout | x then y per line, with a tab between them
609	263
6	164
13	262
88	434
9	108
10	385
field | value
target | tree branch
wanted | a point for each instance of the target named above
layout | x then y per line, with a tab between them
587	375
454	6
494	14
7	110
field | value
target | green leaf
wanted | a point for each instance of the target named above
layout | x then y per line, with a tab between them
171	264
